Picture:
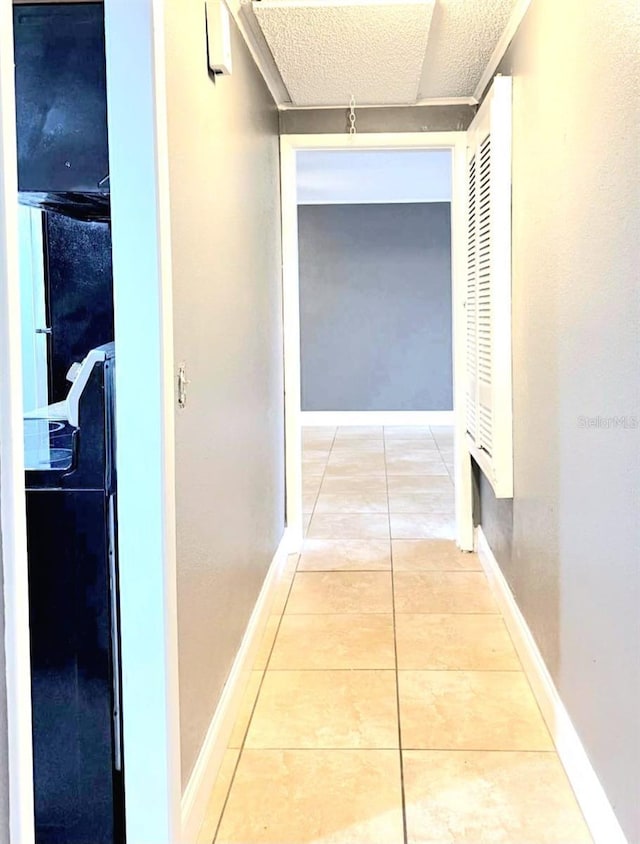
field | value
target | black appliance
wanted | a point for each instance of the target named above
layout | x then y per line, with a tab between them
73	603
78	282
61	107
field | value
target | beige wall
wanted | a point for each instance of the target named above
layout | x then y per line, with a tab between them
570	543
225	223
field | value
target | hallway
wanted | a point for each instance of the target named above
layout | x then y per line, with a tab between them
387	703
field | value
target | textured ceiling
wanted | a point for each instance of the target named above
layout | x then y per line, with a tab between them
463	36
326	52
383	52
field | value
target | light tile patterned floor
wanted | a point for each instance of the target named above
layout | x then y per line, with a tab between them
387	704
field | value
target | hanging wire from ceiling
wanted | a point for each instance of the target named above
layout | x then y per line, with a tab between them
352	116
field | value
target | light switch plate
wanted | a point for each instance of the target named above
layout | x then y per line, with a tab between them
218	37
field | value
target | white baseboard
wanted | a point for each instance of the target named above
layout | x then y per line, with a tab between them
589	792
198	791
333	418
295	540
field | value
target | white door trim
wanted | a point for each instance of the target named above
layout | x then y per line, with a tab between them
141	236
13	528
289	146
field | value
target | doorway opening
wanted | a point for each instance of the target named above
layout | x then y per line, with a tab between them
373	335
118	192
69	422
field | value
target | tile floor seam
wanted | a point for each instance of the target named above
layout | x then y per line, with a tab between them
450	613
382	571
385	612
442	457
341	613
332	749
331	571
411	670
395	651
315	503
463	670
506	751
349	670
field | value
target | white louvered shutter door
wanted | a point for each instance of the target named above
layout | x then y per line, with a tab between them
484	436
488	300
471	302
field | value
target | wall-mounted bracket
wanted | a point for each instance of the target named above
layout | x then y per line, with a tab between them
218	37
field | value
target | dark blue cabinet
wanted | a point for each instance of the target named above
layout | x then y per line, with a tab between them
61	102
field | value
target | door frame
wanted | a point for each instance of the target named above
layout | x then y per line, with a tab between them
145	402
289	146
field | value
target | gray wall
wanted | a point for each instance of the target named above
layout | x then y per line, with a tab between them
375	306
569	544
4	750
225	223
450	118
